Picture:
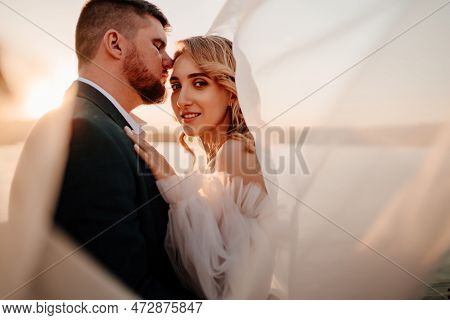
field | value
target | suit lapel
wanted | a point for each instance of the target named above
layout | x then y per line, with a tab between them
88	92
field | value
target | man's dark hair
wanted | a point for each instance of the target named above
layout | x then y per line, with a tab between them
98	16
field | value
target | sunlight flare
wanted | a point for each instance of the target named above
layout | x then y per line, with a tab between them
43	96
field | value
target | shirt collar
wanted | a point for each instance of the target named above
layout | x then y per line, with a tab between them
128	117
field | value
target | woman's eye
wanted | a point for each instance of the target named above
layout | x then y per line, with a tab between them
200	83
175	86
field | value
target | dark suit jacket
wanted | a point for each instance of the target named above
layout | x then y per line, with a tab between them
109	200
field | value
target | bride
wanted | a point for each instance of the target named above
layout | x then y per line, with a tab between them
219	220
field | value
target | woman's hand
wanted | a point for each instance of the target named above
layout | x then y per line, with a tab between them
157	163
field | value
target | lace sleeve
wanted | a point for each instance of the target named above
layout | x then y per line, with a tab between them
218	235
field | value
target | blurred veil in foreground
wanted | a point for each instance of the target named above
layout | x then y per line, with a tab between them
368	216
39	261
366	210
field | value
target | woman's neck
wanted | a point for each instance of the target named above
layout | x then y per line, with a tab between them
212	141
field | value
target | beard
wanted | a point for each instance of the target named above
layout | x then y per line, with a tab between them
149	88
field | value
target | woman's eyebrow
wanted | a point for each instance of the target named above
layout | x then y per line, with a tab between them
190	76
194	75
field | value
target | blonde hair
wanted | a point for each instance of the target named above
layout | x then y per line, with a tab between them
214	56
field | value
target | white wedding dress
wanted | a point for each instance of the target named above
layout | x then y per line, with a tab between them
219	235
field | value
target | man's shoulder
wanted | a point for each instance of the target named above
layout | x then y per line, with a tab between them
85	109
89	117
94	130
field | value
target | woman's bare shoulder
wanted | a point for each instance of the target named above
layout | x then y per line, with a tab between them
234	159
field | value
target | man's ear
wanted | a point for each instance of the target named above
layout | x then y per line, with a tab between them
114	44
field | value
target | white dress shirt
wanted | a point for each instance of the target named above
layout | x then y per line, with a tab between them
134	125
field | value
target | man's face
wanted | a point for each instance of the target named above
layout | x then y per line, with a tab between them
146	61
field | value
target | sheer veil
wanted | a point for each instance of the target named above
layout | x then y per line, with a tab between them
348	102
359	92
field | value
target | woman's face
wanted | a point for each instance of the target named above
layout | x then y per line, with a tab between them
199	103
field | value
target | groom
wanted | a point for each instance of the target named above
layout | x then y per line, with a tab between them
109	202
